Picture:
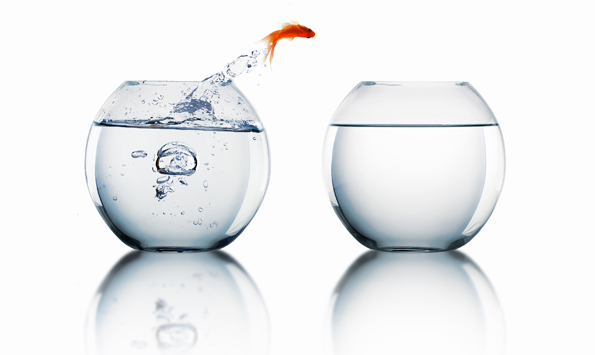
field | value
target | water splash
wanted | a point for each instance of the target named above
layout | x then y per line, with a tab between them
206	106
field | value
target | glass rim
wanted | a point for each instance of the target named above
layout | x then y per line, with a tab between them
159	82
413	82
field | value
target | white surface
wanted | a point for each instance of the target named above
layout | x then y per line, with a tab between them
532	61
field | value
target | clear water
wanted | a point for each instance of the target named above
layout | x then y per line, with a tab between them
415	187
171	188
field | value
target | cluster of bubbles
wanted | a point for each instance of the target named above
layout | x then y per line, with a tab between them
172	159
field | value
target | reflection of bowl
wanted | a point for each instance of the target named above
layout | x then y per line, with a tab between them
413	166
437	303
164	303
179	166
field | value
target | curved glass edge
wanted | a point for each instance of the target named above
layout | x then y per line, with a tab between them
259	174
494	175
426	103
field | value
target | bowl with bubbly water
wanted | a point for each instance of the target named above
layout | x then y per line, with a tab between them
177	166
413	166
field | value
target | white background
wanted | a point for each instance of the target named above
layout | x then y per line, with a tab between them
532	61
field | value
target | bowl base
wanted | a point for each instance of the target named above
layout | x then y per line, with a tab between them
409	249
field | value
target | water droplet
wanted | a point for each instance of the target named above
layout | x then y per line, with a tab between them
198	222
253	138
115	198
205	184
183	181
143	101
139	154
183	213
176	338
200	209
176	158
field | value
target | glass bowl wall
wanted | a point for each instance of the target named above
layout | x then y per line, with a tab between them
413	166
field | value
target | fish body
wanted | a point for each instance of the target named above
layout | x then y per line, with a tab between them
289	31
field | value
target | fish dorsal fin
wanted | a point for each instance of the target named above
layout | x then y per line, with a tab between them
285	24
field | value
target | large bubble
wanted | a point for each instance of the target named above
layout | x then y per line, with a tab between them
176	158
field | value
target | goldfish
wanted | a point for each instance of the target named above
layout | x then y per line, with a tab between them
289	31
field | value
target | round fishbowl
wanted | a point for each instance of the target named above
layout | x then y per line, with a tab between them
413	166
177	166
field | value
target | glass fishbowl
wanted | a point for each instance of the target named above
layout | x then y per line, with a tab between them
177	166
413	166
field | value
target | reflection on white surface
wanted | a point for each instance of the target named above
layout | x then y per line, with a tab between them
436	303
169	304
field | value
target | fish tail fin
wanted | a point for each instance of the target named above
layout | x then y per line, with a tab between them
270	53
271	41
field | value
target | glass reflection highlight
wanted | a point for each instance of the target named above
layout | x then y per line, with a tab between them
169	304
414	304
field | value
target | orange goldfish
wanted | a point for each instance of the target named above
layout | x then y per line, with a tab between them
289	31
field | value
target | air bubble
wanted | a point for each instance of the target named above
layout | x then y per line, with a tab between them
163	179
115	198
176	158
139	154
205	184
